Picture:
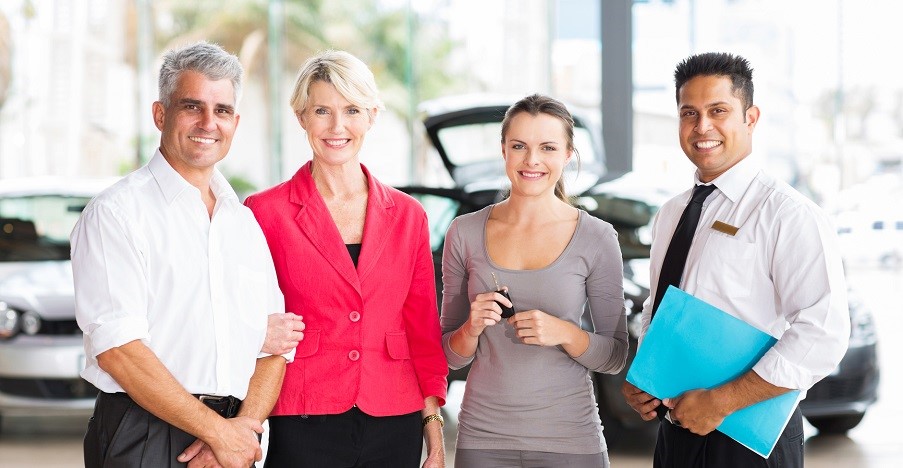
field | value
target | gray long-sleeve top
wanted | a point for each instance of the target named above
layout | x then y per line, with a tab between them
525	397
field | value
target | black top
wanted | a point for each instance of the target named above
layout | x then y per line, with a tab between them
355	251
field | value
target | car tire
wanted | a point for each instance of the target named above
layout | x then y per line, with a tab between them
836	424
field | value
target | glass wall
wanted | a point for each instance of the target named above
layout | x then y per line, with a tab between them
77	78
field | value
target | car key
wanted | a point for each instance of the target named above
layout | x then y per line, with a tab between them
506	311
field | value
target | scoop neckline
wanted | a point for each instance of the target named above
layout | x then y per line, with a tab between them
567	248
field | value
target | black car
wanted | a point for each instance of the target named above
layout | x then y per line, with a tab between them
467	140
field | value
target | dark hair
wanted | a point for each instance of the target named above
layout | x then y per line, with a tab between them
534	105
734	67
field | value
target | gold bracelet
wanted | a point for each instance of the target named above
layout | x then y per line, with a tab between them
434	417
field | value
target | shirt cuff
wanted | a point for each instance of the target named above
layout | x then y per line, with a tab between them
778	371
601	355
116	333
436	387
455	360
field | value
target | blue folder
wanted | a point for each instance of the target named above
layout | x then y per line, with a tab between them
692	344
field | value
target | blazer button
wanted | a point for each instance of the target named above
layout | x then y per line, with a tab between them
354	355
354	316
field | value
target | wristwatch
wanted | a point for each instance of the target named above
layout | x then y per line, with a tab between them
434	417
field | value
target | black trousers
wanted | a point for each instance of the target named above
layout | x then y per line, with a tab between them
677	447
352	439
122	434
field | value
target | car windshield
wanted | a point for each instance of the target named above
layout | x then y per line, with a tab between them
36	228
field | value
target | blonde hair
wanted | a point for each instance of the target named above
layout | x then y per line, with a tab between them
350	76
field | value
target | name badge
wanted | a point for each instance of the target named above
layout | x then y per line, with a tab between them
725	228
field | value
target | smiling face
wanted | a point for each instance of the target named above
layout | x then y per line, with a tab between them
335	127
197	127
715	130
535	151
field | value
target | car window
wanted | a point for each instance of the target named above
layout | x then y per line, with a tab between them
37	228
440	211
631	218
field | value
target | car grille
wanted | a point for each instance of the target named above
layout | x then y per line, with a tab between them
59	327
48	389
836	388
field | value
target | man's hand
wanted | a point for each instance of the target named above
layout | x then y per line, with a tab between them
236	444
199	455
641	402
284	332
697	410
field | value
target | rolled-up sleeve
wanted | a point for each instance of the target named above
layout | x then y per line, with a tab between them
110	284
811	290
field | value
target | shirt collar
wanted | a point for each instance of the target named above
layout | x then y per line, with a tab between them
172	184
734	182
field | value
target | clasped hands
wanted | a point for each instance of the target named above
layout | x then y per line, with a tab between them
236	446
698	411
533	327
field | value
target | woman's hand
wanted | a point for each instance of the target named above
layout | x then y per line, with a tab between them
433	436
535	327
484	312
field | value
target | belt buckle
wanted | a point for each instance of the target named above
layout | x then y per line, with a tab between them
210	398
671	419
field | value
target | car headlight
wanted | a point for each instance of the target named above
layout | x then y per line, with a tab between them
13	322
9	321
30	322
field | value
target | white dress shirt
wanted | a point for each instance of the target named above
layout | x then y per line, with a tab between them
781	272
150	264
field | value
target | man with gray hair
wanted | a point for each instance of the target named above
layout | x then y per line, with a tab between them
174	284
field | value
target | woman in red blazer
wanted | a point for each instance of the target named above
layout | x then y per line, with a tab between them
353	258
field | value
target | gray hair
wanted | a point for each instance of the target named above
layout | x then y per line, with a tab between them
208	59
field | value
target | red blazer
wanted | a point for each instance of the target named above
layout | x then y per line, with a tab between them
372	336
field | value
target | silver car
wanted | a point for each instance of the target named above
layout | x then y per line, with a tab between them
41	351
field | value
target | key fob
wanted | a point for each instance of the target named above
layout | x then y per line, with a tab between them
506	311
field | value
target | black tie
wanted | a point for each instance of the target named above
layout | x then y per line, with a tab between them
676	257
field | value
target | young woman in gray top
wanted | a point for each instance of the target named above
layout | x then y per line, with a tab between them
529	398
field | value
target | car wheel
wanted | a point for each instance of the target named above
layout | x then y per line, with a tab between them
836	424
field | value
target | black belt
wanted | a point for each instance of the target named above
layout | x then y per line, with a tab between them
225	406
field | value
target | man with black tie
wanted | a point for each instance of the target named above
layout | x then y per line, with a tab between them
753	247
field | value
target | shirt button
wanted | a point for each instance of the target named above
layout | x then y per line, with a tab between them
354	355
354	316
